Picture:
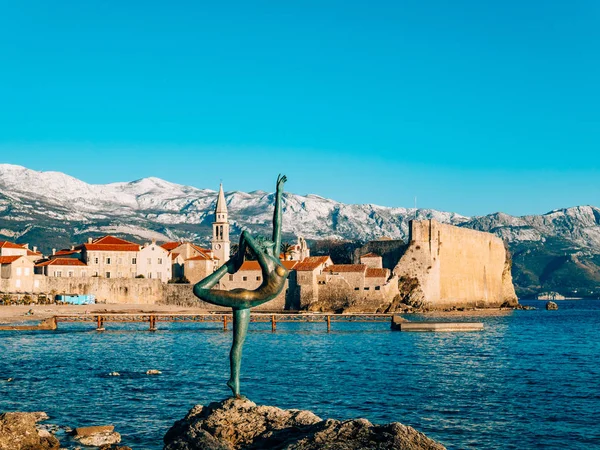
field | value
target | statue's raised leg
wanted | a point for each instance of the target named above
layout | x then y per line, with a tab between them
241	318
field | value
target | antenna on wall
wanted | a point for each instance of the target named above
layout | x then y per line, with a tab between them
415	207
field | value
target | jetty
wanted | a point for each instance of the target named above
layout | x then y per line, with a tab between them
402	325
154	320
100	320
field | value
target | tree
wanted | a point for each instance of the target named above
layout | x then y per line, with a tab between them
286	249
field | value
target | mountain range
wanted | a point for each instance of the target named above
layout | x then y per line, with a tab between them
558	251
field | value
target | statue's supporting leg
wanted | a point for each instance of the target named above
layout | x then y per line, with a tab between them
241	318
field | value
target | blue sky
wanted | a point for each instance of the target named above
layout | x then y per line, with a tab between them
471	106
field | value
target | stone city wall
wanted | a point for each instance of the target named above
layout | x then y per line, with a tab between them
456	266
106	290
347	293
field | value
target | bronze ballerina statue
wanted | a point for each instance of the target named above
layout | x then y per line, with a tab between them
241	300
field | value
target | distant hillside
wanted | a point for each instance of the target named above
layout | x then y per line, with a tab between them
555	251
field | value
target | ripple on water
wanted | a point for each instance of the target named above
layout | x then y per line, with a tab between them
528	381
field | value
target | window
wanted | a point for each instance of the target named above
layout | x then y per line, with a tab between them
149	275
133	261
159	260
36	283
366	289
377	288
19	271
58	273
356	289
107	260
120	261
230	277
96	260
257	278
119	274
70	274
245	278
149	261
18	284
96	273
26	271
159	275
83	273
107	274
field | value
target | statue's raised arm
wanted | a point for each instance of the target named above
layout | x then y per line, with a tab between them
274	275
281	179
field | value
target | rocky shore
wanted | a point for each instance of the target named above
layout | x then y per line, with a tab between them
240	424
232	424
23	431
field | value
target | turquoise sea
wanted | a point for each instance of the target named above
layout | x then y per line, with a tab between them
530	380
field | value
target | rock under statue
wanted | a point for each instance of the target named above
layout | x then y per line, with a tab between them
241	300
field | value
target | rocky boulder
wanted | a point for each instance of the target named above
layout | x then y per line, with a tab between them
551	306
241	424
18	431
97	436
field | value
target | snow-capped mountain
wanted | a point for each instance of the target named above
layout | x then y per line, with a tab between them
157	208
579	225
51	209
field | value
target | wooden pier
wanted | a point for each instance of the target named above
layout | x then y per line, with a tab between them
99	320
153	320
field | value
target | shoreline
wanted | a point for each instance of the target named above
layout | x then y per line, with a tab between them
19	314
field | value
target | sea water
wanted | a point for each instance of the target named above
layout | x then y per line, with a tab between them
530	380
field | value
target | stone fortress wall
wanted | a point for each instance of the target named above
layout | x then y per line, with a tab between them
456	266
134	291
106	290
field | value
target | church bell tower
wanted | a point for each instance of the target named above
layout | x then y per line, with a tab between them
220	238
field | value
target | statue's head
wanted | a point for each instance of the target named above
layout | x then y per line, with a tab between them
267	247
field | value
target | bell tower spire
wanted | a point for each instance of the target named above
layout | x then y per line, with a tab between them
220	238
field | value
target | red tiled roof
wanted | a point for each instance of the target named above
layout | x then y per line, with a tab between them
66	252
377	273
371	255
62	262
249	265
9	259
6	244
200	249
169	246
110	244
32	253
204	251
174	255
311	263
254	265
346	268
111	240
289	265
201	257
112	248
